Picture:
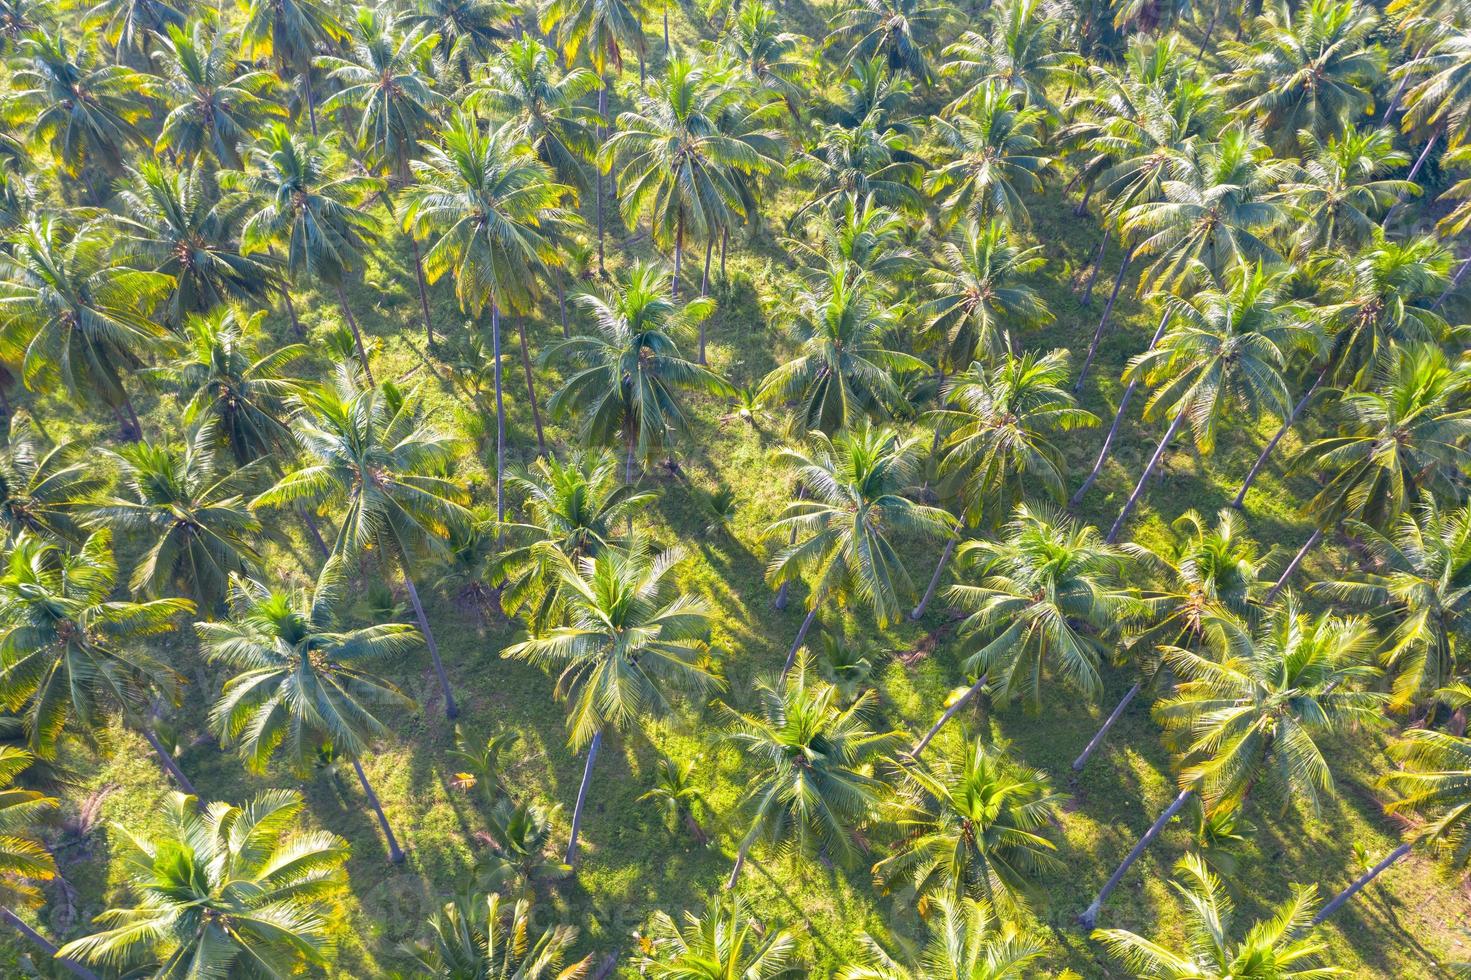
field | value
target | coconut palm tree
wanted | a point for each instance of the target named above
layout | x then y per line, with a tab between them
812	782
1251	712
627	379
1281	946
85	114
214	104
233	389
175	225
969	941
289	34
468	31
623	641
188	509
1222	357
848	523
572	509
1021	50
476	937
224	888
1310	70
868	158
45	490
1046	595
79	318
900	32
1341	191
772	58
299	199
26	862
1415	585
861	238
1218	204
977	828
376	454
844	370
1204	572
995	450
1436	103
993	150
65	650
493	217
977	288
302	683
726	941
131	27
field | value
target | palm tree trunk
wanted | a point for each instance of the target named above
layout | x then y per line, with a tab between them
562	306
541	441
500	420
1307	546
1399	89
944	718
168	763
423	291
801	635
1118	281
1287	423
312	529
598	165
724	241
451	710
666	29
929	592
135	427
45	945
784	591
1159	452
740	861
1414	171
311	98
357	335
291	311
592	755
1455	282
1082	207
1209	30
678	252
1359	883
1118	418
705	290
395	855
1108	723
1097	264
1089	918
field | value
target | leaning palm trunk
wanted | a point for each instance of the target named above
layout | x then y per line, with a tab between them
1360	882
1134	497
1454	284
500	420
451	710
45	945
1108	723
801	635
541	441
678	255
1287	424
598	165
1089	918
944	719
167	761
929	592
592	756
1414	171
1118	281
423	291
357	335
1097	264
1307	546
395	854
705	290
1118	418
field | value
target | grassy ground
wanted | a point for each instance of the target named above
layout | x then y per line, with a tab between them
1403	926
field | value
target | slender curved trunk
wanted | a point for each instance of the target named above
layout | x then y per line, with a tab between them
1133	500
311	98
949	713
312	529
724	241
451	710
598	168
1089	918
1454	284
1097	264
1082	206
1360	882
541	441
357	335
562	307
395	854
423	291
1307	546
1118	418
1399	89
167	761
784	592
740	861
929	592
291	311
592	756
1287	424
500	420
678	253
705	290
1118	281
801	635
1108	723
1209	30
45	945
135	427
1414	172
